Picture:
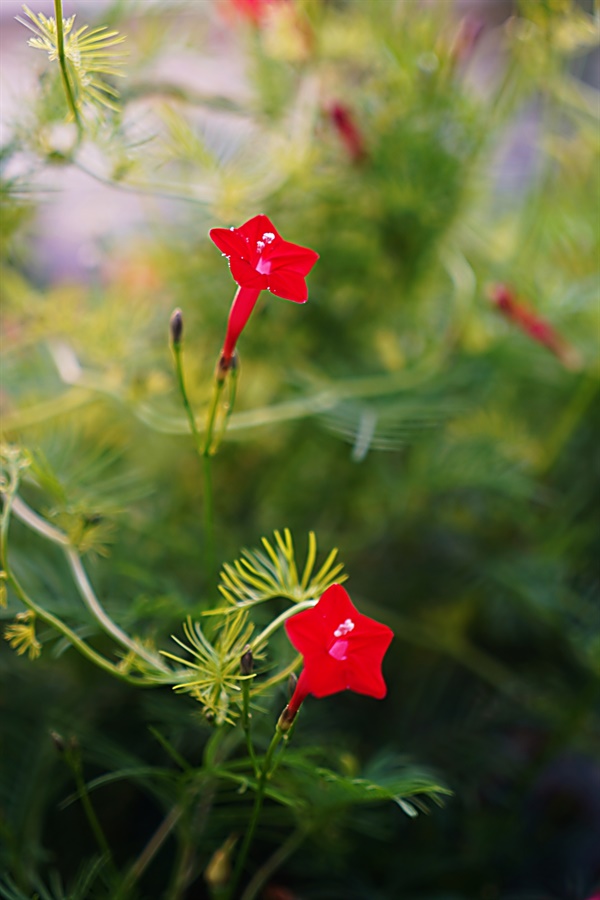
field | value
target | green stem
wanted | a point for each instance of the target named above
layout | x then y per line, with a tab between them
276	623
567	423
246	723
208	450
283	675
256	811
73	760
70	635
36	523
149	852
40	612
219	384
177	354
62	60
209	518
203	450
215	435
274	862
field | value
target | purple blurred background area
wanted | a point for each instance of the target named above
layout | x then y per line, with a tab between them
79	214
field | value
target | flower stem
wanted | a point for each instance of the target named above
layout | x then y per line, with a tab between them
283	852
567	423
246	723
283	617
177	355
208	449
265	771
203	449
62	61
70	635
86	592
9	502
209	518
73	760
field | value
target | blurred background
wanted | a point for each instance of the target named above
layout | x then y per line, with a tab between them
431	412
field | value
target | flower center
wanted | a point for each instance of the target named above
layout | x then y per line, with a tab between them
339	650
344	628
263	265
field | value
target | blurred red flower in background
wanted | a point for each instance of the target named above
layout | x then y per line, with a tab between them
260	260
350	135
253	10
342	649
505	300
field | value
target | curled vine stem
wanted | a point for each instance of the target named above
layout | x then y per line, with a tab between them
23	512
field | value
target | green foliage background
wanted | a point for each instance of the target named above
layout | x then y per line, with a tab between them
397	414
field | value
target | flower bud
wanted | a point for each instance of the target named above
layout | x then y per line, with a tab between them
286	719
247	661
218	870
58	741
349	133
176	327
226	364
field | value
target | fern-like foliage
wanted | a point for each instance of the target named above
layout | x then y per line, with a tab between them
215	673
87	879
89	53
387	778
261	575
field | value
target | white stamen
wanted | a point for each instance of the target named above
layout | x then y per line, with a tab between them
268	237
344	628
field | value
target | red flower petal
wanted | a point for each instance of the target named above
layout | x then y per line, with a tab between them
259	259
326	676
284	255
288	286
246	275
342	649
253	230
229	241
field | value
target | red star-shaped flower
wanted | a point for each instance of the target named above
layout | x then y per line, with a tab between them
254	11
260	260
342	649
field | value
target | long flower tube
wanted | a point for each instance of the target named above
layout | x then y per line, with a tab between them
259	260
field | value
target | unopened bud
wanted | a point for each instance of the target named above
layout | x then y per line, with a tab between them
58	741
286	719
226	364
218	870
176	326
247	661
